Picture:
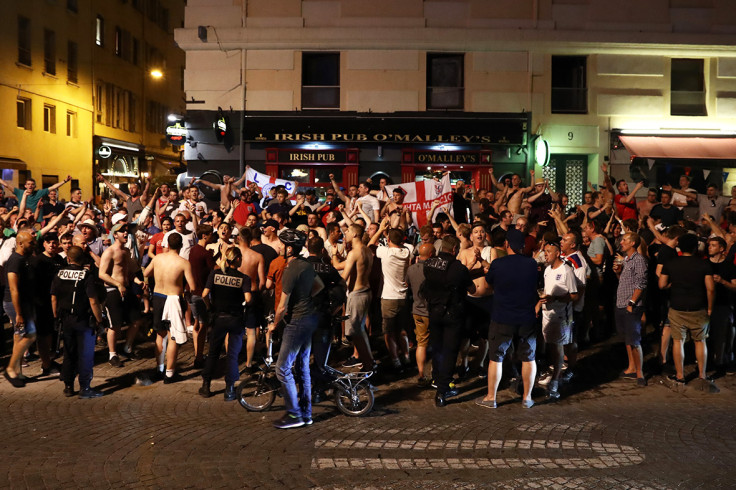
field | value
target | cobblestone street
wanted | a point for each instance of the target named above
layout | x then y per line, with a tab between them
609	435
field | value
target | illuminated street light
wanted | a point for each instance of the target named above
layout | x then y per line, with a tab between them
156	73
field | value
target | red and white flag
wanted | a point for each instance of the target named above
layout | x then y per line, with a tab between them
265	182
420	195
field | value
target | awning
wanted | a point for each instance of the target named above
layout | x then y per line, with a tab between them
680	147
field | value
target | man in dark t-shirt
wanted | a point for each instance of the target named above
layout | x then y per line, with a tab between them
692	293
724	277
665	212
202	263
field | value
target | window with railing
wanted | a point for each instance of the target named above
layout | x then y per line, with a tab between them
687	88
445	81
569	85
320	80
24	41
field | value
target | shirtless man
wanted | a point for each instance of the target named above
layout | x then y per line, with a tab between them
253	266
478	305
122	305
513	195
169	271
400	215
356	271
270	237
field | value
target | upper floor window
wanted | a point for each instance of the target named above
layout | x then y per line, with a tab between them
100	31
23	107
49	118
49	51
72	64
24	41
320	80
687	88
569	85
445	81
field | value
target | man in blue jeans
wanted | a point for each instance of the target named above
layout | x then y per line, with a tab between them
297	313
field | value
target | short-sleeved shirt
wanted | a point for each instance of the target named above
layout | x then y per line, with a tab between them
582	271
33	199
297	281
44	271
626	210
727	271
370	204
713	207
277	207
558	282
18	264
598	247
156	241
669	216
394	263
633	276
414	280
241	213
687	276
202	263
227	290
187	242
514	282
48	208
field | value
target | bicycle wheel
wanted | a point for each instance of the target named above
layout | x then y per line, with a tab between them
256	393
357	404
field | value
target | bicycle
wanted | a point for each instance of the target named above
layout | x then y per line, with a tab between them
353	394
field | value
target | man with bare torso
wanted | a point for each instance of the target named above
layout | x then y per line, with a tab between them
122	306
356	271
478	305
253	266
513	195
169	271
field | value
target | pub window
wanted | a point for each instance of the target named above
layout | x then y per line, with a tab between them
320	80
569	85
297	174
24	41
445	81
23	106
71	67
49	51
49	118
71	124
687	88
100	31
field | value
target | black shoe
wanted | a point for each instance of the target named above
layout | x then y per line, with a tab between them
86	393
439	400
463	371
451	393
198	364
115	361
424	382
307	420
68	391
17	382
289	421
133	355
53	370
172	379
204	391
230	393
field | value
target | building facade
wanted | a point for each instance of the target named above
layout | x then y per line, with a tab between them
77	92
363	89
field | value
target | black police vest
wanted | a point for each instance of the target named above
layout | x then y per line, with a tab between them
436	288
227	292
71	291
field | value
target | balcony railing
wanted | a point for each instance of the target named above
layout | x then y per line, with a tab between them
688	103
567	100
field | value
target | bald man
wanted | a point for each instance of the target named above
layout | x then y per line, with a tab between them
18	304
414	280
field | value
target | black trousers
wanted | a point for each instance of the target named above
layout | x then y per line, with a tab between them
445	331
223	325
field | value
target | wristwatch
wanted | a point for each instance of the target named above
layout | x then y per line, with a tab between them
632	302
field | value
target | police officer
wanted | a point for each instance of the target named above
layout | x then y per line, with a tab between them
446	283
226	288
73	300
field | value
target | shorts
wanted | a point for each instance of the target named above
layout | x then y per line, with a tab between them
255	313
628	325
121	311
421	330
557	326
199	309
500	336
29	317
695	323
158	301
392	313
356	307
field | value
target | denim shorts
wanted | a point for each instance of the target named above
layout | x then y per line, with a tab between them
29	328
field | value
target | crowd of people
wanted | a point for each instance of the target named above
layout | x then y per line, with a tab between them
513	270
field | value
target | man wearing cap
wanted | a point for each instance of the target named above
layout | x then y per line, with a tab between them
35	195
122	305
560	290
514	281
269	235
95	244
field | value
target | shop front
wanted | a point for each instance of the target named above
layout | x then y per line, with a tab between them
312	168
118	161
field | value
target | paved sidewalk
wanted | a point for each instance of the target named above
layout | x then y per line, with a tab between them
603	434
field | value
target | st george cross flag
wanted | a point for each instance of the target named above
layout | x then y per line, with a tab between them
265	182
420	195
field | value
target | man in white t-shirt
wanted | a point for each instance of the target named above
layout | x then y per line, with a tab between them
368	203
188	238
395	260
572	256
560	290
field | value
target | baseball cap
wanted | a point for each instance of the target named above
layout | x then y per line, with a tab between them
118	227
271	222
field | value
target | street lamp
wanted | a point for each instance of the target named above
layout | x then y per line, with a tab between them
156	73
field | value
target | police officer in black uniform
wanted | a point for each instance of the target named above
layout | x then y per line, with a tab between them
73	301
225	292
446	282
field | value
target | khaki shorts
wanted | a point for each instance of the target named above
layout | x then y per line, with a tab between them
695	323
421	330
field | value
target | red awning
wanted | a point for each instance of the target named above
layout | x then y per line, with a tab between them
680	147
